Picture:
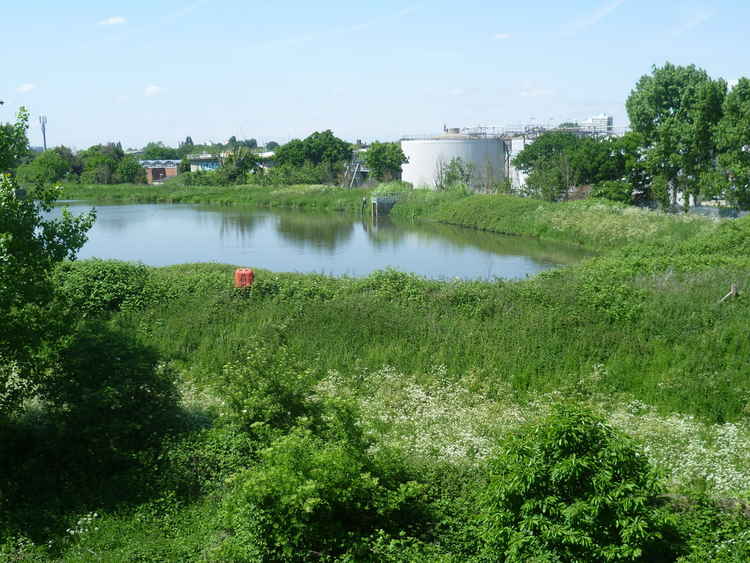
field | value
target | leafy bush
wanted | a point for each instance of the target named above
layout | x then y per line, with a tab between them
311	498
720	534
570	488
112	392
613	190
99	286
269	386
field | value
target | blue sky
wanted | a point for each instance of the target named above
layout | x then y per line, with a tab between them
139	71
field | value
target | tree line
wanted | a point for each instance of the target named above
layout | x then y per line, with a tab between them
690	140
319	158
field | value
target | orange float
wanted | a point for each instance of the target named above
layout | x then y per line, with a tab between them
244	277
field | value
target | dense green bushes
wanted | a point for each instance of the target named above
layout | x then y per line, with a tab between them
570	488
98	286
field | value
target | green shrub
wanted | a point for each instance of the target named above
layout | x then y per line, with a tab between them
613	190
111	393
311	498
269	386
570	488
714	533
101	286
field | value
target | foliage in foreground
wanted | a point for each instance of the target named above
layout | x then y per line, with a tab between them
570	488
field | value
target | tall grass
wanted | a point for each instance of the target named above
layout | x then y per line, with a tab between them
525	338
320	198
592	223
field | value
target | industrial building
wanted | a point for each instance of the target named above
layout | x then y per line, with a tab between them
485	153
159	170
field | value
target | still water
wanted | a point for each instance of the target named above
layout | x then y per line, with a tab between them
292	241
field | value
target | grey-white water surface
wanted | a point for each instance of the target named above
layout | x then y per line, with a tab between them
292	241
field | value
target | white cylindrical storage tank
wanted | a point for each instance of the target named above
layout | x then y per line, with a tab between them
428	158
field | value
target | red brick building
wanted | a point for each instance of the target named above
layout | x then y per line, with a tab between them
159	170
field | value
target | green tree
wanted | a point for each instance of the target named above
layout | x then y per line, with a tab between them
73	160
551	178
384	160
675	109
596	160
613	190
14	145
128	171
733	143
235	167
100	163
31	243
46	168
570	488
159	151
272	145
546	146
317	148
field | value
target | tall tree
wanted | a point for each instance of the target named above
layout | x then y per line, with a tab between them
159	151
30	244
675	109
733	144
384	160
318	148
14	145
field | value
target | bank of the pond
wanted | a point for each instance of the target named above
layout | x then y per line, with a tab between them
594	224
317	198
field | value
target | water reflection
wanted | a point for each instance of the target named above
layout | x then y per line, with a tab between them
296	241
329	231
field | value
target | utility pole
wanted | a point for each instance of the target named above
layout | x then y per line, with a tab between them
43	123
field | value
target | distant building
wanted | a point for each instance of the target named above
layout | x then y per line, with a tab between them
159	170
204	161
599	123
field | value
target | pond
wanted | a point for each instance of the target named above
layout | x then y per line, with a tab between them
294	241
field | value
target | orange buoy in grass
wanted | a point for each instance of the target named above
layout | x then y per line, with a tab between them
244	277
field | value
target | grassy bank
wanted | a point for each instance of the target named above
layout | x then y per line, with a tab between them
318	198
595	224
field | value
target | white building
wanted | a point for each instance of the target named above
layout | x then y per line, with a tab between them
599	123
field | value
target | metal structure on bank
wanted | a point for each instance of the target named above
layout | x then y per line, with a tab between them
478	153
489	151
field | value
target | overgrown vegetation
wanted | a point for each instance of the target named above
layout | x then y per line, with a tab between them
593	413
320	435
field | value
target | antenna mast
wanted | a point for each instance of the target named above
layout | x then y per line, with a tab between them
43	123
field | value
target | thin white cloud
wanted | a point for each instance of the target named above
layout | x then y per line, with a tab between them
693	20
457	92
153	90
187	10
408	10
114	20
592	18
24	88
501	36
536	92
121	99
